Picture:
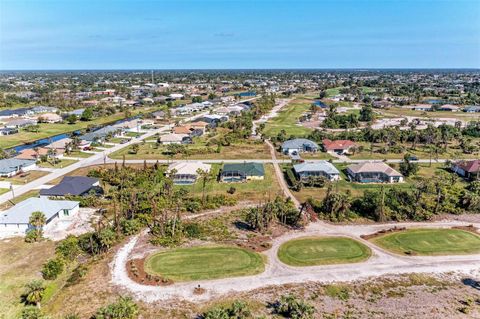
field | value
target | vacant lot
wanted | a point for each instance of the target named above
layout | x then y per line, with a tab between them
198	150
430	242
314	251
197	263
19	264
62	163
287	119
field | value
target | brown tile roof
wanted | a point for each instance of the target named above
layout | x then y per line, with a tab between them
469	166
338	144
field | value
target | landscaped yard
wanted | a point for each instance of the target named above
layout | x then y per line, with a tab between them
312	251
61	164
251	190
78	154
430	242
197	263
287	119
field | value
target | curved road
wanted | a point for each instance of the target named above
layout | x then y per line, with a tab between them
276	273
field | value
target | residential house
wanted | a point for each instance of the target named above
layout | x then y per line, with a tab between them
449	108
21	111
44	109
15	221
299	145
467	169
212	119
11	166
373	172
101	134
159	115
472	109
8	131
241	172
186	172
73	185
49	118
19	123
306	170
37	153
338	146
174	139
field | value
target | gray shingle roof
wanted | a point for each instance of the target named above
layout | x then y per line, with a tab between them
70	185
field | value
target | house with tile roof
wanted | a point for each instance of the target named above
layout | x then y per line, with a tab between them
338	146
373	172
467	169
186	172
306	170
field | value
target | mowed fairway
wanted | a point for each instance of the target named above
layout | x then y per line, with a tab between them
312	251
430	242
197	263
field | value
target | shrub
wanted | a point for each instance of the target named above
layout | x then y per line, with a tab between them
33	235
78	273
231	190
291	307
123	308
68	248
52	268
193	230
130	226
31	312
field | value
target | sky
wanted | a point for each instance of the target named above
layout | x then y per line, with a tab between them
230	34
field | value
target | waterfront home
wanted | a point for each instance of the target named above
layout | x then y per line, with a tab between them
306	170
15	221
49	118
186	172
20	123
8	131
373	172
101	134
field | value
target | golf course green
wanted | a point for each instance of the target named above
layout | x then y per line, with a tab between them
430	242
197	263
312	251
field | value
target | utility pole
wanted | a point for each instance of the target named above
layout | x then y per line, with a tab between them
152	77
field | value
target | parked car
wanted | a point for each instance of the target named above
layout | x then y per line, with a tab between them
413	158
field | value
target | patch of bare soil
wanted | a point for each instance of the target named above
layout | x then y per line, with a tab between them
136	271
383	232
469	218
469	228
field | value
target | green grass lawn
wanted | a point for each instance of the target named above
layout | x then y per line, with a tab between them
312	251
48	129
61	164
200	263
118	140
3	190
251	190
430	242
287	119
78	154
333	91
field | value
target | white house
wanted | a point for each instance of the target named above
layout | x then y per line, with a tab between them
172	138
186	172
11	166
15	221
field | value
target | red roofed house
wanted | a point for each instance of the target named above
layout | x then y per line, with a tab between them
338	146
467	169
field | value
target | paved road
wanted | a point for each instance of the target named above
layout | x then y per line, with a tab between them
97	158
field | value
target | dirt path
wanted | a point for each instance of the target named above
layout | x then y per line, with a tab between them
276	273
279	173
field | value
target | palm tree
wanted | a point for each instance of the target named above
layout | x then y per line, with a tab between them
34	293
37	219
206	177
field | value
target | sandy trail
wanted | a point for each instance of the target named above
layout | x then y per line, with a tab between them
277	273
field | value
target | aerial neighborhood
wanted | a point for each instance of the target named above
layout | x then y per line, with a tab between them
155	185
